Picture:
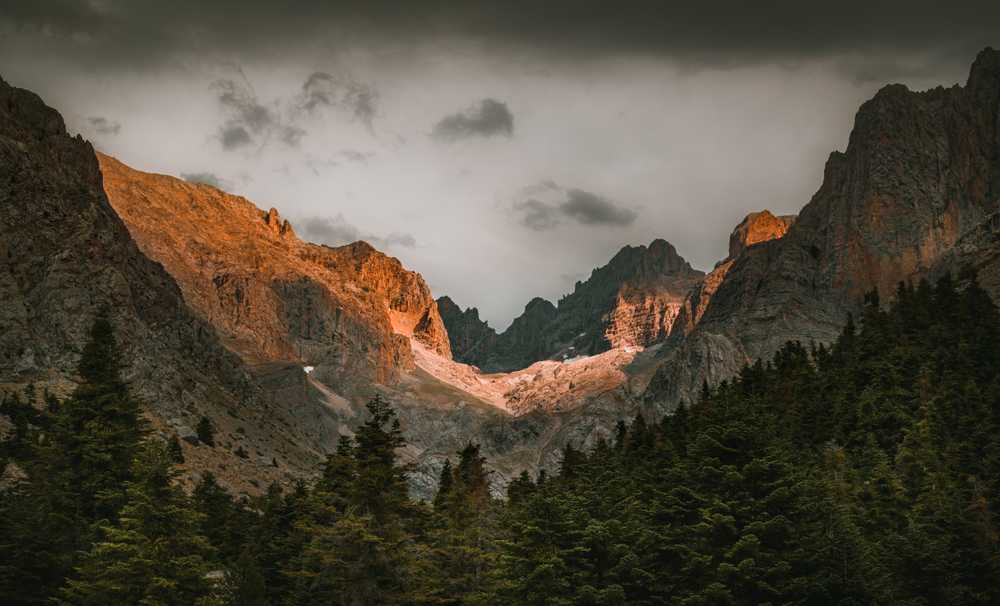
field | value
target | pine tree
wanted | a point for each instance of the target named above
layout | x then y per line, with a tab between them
243	583
78	469
154	554
206	432
446	480
175	450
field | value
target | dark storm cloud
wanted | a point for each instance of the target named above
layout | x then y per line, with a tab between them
723	32
591	209
338	232
103	126
340	91
577	205
489	118
204	179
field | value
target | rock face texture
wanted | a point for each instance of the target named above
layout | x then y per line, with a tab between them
65	255
471	339
921	170
630	302
349	311
753	229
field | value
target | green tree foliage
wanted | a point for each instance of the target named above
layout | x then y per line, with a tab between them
863	472
154	554
78	463
206	432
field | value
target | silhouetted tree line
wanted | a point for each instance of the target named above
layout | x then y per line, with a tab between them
866	472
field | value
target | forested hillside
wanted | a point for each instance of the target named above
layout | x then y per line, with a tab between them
862	473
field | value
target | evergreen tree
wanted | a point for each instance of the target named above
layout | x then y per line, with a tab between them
154	554
206	432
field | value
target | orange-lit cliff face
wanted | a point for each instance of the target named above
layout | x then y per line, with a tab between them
753	229
349	311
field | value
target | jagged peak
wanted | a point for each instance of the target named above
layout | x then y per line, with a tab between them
278	225
26	107
986	67
758	227
538	303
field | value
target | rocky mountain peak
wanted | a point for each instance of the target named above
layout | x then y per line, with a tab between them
632	301
985	71
757	227
278	225
920	171
348	311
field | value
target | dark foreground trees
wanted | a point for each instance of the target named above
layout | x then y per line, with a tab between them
861	473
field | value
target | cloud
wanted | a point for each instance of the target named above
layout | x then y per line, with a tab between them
122	34
489	118
538	215
204	179
340	91
591	209
338	232
103	126
233	135
250	121
574	205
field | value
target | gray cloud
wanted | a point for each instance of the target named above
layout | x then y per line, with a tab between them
233	136
591	209
103	126
250	121
204	179
338	232
576	205
340	91
489	118
731	32
537	215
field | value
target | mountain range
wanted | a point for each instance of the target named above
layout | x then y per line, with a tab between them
224	313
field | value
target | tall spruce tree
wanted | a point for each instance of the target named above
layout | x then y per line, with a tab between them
153	554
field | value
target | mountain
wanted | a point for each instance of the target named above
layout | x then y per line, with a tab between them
224	313
348	312
630	302
920	176
470	338
753	229
66	256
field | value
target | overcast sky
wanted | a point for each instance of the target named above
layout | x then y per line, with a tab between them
501	149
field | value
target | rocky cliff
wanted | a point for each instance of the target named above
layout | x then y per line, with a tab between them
349	311
921	170
65	255
632	301
471	338
753	229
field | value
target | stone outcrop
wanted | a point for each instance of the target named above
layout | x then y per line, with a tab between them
753	229
920	171
632	301
349	311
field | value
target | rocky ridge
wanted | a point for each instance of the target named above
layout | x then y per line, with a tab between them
632	301
755	228
921	171
349	312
